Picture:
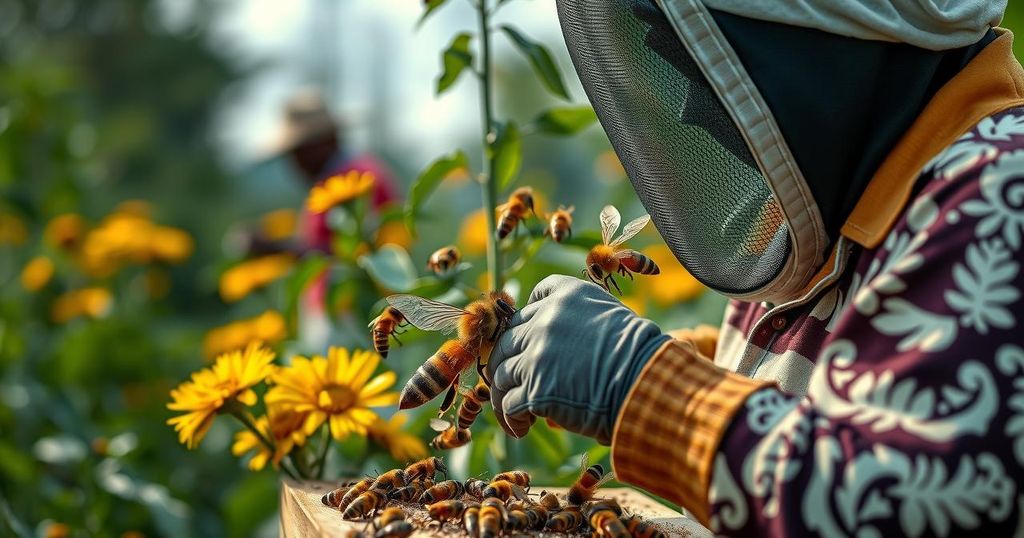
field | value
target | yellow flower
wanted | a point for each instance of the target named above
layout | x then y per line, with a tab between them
474	232
249	275
12	230
268	327
283	427
674	285
279	225
37	273
230	379
403	446
338	189
65	231
334	390
170	244
91	302
395	233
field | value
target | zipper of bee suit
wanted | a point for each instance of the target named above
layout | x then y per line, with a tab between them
843	249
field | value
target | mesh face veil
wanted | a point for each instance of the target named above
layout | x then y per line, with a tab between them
694	147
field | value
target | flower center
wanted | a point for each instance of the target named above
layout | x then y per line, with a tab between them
336	398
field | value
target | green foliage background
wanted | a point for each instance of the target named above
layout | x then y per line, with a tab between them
99	104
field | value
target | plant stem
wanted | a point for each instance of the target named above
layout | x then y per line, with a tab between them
243	416
490	189
321	461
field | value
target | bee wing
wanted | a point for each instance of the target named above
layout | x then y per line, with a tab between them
520	493
609	223
584	463
427	315
439	424
631	229
607	476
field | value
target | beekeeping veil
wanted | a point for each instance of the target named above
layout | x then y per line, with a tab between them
742	188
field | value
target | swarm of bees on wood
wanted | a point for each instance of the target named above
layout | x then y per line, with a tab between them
481	508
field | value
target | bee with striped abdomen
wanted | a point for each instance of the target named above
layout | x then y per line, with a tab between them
538	516
365	504
449	489
517	521
426	468
550	501
590	479
604	519
493	516
514	211
505	490
473	401
471	521
478	327
606	259
386	326
519	478
560	224
390	480
449	435
412	491
447	510
389	515
444	261
354	491
566	520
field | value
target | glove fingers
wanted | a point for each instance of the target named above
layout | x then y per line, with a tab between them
516	414
549	285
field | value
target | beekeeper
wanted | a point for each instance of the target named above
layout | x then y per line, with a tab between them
851	175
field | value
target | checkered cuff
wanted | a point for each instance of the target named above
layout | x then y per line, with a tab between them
669	428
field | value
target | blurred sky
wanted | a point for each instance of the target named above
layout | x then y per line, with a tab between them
375	69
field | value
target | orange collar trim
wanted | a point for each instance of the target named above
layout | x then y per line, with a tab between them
992	82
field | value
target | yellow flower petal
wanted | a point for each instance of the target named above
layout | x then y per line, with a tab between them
379	384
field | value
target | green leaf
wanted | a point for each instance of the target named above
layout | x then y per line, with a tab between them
540	60
565	120
455	60
432	6
427	181
390	267
302	275
508	154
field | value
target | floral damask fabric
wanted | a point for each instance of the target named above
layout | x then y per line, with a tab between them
913	419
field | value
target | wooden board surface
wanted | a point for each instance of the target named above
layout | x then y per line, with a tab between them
303	515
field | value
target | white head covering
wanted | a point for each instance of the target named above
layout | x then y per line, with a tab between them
929	24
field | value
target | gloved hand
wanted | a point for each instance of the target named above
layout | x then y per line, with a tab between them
571	355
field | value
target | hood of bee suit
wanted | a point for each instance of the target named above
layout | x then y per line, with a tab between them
749	139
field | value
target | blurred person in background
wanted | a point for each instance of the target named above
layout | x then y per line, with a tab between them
851	175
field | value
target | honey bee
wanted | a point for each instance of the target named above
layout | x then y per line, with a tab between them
444	260
390	480
604	519
447	510
389	515
537	515
642	529
512	212
473	401
471	521
449	489
604	260
397	529
493	516
333	498
475	487
354	491
519	478
517	521
365	504
478	327
426	468
590	479
560	224
384	326
550	501
450	436
505	490
412	491
567	519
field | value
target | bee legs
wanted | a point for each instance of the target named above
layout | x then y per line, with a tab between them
611	279
480	370
394	334
625	272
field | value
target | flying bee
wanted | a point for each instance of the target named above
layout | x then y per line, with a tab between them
475	487
449	489
590	479
426	468
444	260
606	259
473	401
354	491
478	327
568	519
550	501
411	492
365	504
604	518
505	490
384	326
642	529
471	521
447	510
450	436
512	212
560	224
390	480
493	516
519	478
396	529
517	521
